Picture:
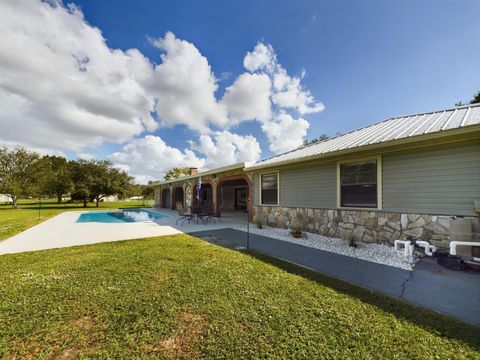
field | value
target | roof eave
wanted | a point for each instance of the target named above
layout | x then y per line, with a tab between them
378	146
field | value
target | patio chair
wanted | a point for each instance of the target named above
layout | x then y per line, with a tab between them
183	214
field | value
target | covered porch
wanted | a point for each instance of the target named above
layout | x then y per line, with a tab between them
227	191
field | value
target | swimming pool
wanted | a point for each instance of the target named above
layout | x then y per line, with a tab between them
121	216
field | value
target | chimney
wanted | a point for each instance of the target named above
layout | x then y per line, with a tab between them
193	171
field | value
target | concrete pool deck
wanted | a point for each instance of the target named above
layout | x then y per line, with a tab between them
63	231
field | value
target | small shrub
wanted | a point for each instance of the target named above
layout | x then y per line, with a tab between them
296	230
258	222
351	240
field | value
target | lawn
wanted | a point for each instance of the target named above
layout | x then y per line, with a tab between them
180	297
13	221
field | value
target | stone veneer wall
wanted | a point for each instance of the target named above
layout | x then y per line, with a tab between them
364	225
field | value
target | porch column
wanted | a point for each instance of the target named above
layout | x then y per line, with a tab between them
160	196
184	186
214	197
250	188
157	196
188	194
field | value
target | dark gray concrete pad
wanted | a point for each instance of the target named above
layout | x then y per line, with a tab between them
453	293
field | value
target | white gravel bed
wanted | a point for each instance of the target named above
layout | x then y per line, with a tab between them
377	253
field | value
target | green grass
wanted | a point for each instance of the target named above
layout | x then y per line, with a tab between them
180	297
13	221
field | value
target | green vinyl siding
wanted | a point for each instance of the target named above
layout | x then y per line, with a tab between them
313	186
440	180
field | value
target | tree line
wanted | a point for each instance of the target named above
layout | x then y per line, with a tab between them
25	173
475	100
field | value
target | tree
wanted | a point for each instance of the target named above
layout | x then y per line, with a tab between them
120	182
322	137
476	98
148	191
17	172
106	180
177	172
82	178
133	190
56	179
141	191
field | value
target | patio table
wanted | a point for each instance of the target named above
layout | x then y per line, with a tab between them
201	213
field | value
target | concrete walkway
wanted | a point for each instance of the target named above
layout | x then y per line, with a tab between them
429	285
63	231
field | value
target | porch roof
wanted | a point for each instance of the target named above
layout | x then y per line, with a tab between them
236	166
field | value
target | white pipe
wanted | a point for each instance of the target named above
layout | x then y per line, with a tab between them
408	249
429	249
454	244
408	252
397	243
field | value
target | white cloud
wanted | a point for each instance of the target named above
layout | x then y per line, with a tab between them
284	133
85	155
40	150
63	88
261	58
248	98
149	158
225	148
185	87
288	92
61	84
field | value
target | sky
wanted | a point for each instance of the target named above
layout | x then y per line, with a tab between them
151	85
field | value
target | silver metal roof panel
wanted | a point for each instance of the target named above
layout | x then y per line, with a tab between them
473	116
387	130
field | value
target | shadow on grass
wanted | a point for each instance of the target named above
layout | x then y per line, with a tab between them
429	320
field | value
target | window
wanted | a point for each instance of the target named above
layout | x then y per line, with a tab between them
359	184
269	189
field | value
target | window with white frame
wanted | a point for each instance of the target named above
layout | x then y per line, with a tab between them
269	189
359	184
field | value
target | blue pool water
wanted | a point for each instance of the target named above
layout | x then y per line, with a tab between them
121	216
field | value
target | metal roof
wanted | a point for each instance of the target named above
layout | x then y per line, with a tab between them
395	128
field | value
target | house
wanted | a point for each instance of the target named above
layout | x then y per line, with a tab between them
5	198
110	198
404	176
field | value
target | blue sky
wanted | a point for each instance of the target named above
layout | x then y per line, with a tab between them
364	60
